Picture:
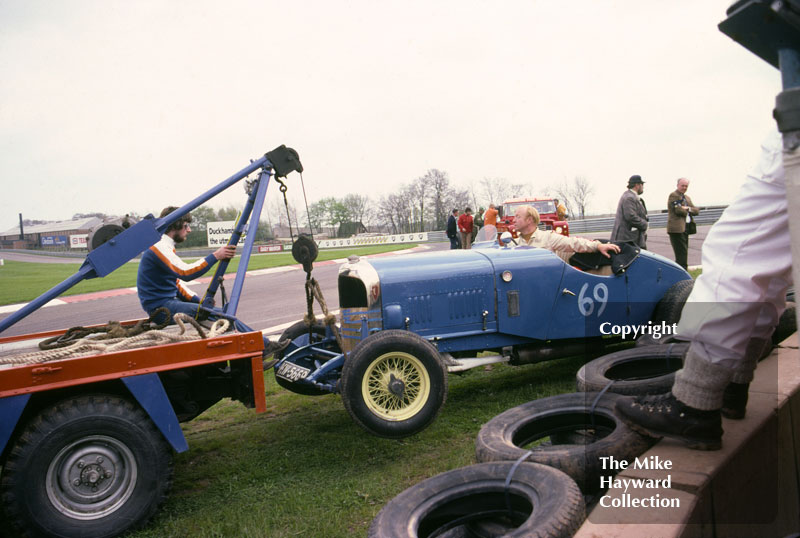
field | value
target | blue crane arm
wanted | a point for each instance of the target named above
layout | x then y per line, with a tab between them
124	247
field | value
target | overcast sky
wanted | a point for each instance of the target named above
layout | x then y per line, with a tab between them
120	106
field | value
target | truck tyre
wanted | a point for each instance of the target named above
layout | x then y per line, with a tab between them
509	435
92	466
394	383
668	310
545	503
639	370
298	334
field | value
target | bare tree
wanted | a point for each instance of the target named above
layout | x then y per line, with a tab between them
421	206
440	190
386	212
460	199
581	191
418	192
575	195
497	190
395	210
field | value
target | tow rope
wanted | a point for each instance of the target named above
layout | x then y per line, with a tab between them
105	344
113	329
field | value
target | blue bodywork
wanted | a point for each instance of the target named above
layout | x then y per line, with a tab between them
485	298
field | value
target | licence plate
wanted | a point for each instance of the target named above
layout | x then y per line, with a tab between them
292	372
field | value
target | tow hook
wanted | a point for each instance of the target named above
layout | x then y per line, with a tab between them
396	386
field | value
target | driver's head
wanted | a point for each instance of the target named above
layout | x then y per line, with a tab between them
526	219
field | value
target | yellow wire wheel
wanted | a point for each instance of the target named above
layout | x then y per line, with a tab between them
393	383
396	386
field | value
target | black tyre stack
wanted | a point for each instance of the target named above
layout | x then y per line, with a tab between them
569	432
634	371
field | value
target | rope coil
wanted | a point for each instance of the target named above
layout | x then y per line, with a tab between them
113	329
107	344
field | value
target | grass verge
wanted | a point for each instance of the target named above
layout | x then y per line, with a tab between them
304	468
24	281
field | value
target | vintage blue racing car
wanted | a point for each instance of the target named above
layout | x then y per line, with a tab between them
407	320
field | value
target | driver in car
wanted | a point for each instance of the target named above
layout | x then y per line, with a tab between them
527	222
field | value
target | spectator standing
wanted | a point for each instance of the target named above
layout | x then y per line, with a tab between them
680	210
465	228
477	223
452	230
490	216
561	211
630	223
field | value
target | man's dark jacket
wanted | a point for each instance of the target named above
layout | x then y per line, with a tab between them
451	226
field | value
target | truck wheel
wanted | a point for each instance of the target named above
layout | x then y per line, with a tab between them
668	310
394	383
90	466
544	503
511	434
298	334
639	370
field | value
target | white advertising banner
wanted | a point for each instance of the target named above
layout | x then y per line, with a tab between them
78	240
270	248
219	233
373	240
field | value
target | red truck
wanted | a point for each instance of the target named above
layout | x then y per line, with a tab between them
547	213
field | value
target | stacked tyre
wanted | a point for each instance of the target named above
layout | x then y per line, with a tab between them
569	432
634	371
485	500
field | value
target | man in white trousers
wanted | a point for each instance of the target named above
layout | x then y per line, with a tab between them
730	315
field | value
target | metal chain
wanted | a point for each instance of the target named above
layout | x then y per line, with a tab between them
308	215
283	189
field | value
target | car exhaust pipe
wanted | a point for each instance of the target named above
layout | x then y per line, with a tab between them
533	354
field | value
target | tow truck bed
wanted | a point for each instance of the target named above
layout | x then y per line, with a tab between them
92	368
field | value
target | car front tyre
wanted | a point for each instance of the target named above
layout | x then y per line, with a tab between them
394	384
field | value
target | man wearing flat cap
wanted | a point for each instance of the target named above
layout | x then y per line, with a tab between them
631	220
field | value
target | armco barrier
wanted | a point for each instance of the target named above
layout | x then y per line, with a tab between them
393	239
708	215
